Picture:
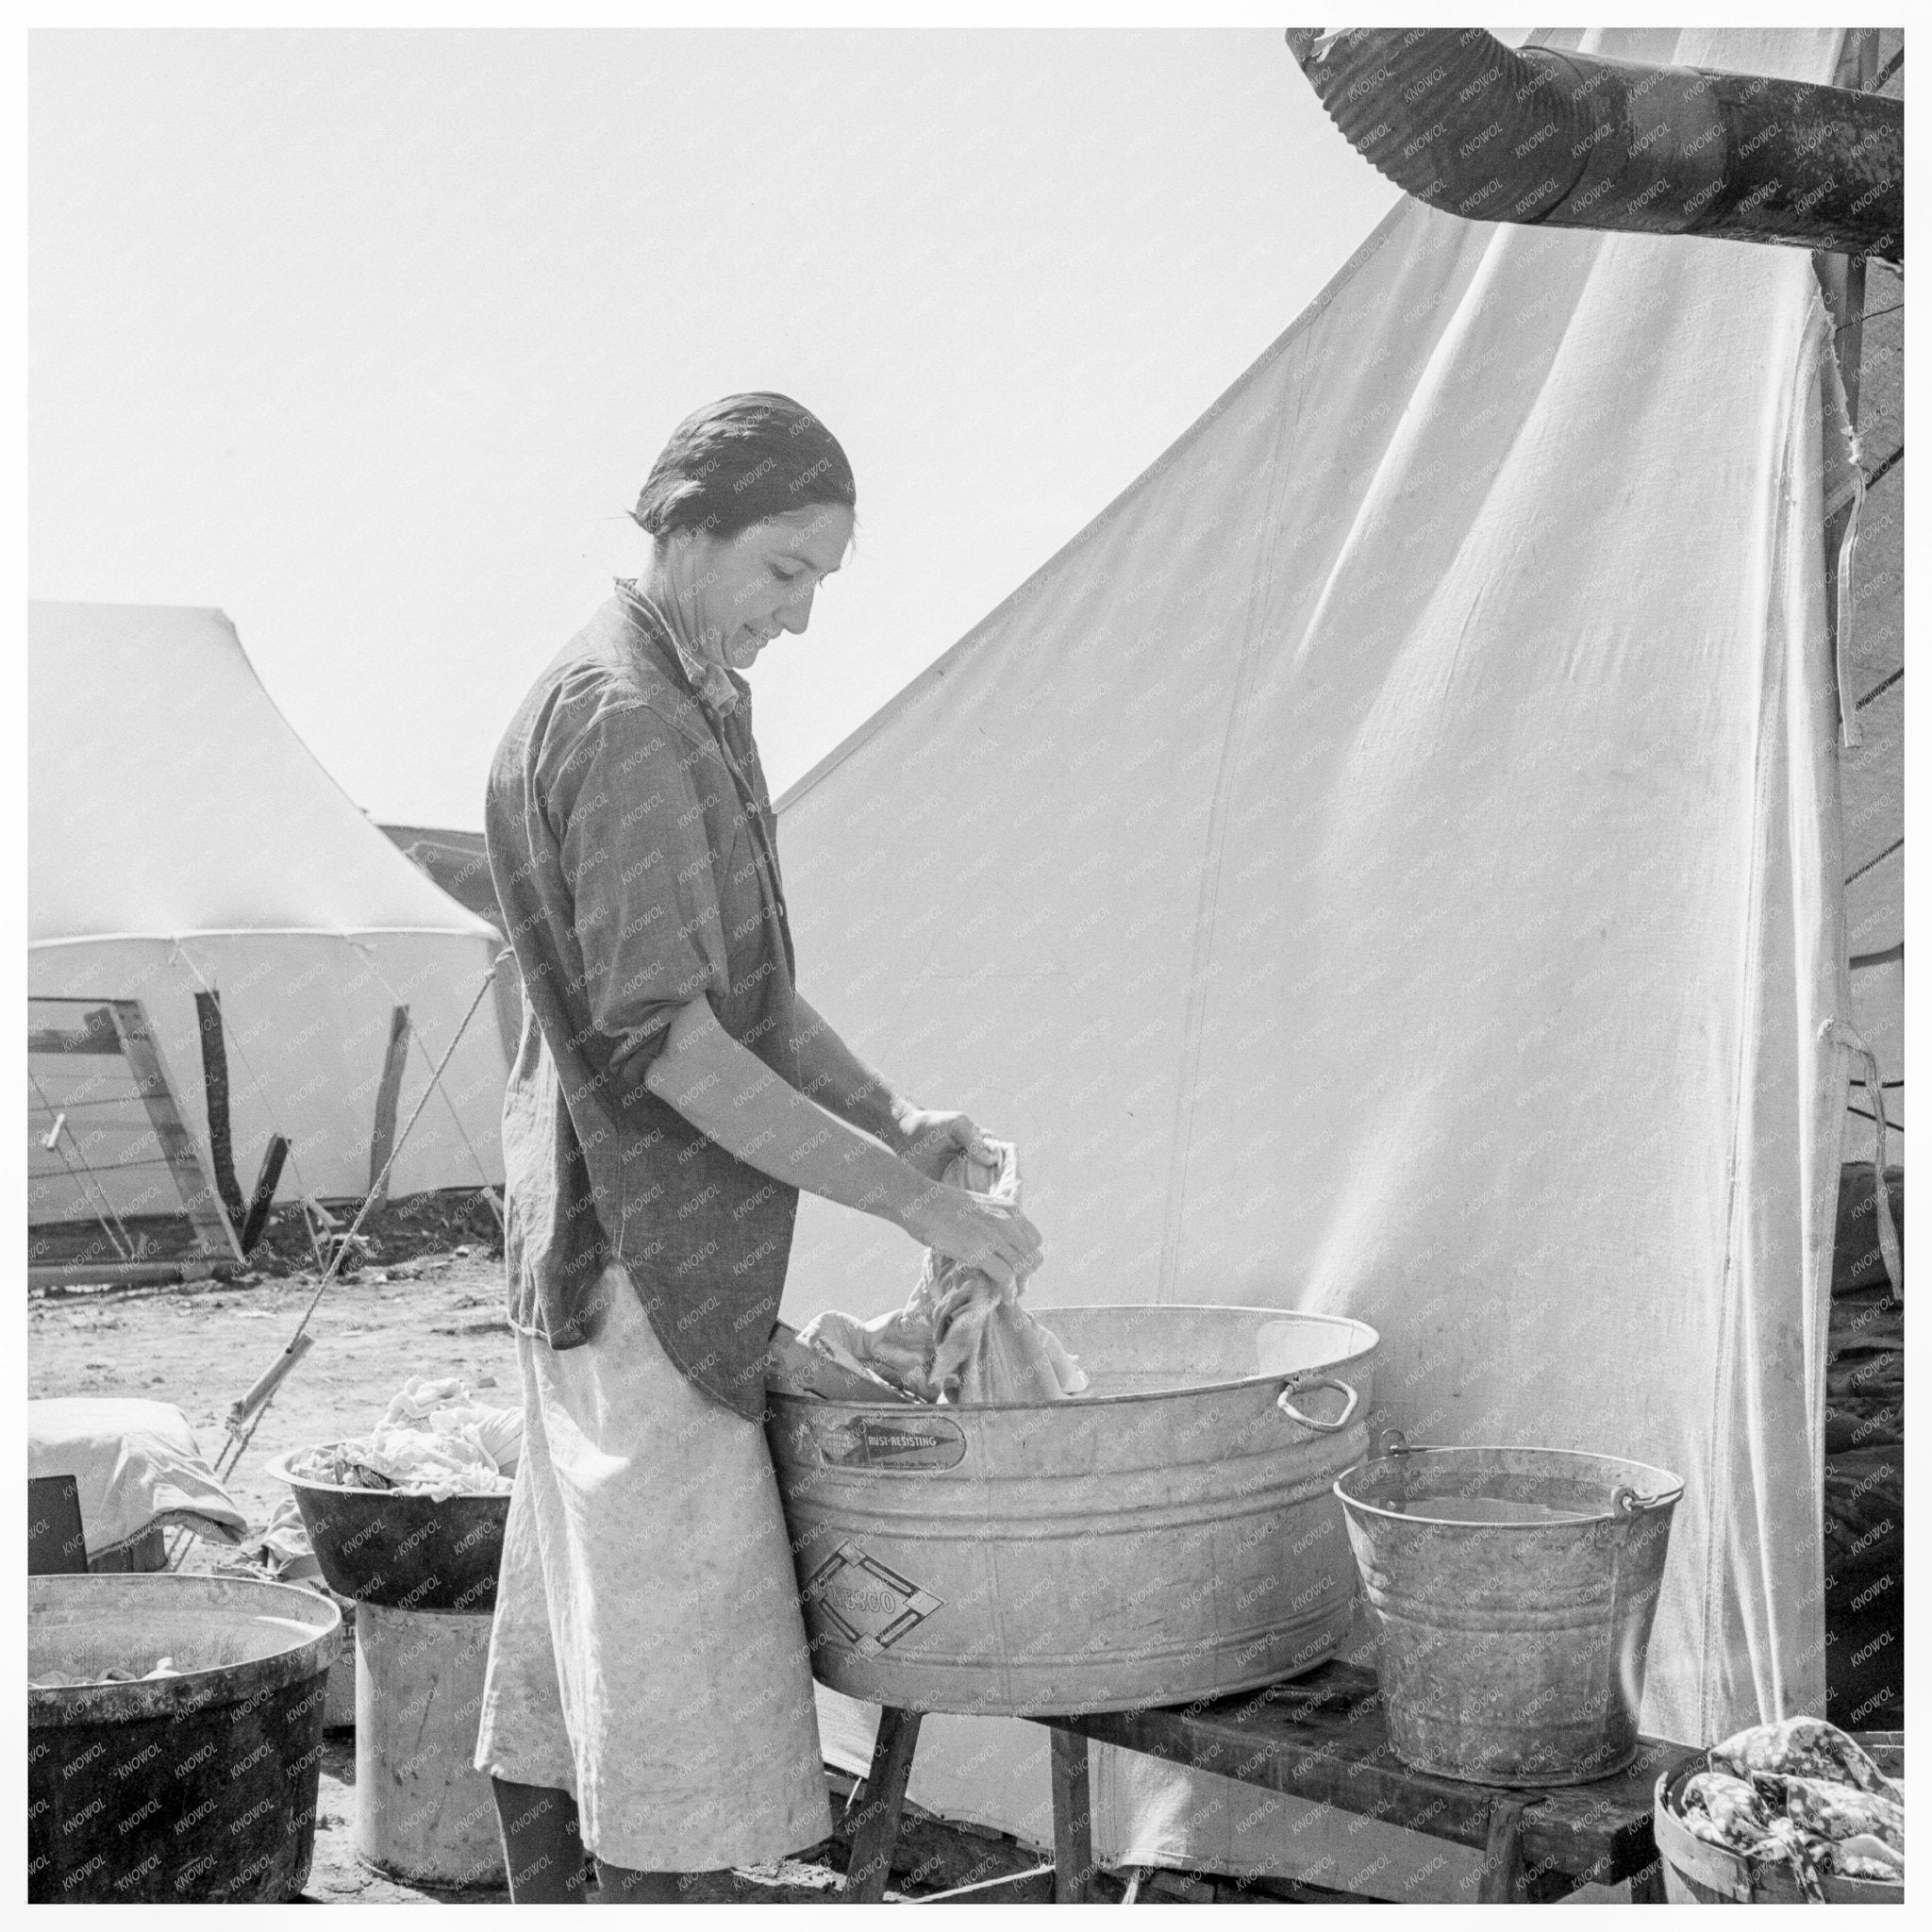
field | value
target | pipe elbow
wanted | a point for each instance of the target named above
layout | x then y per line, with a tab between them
1476	128
1453	116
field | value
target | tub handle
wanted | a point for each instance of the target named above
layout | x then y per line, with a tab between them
1624	1501
1285	1402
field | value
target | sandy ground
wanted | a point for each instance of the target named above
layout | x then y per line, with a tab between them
201	1347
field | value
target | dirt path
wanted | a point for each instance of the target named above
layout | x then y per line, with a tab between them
201	1347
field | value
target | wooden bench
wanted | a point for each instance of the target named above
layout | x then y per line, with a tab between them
1321	1738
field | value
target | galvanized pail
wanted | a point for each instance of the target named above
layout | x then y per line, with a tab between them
1514	1591
1172	1534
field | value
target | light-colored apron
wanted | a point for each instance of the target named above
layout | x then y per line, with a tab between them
648	1653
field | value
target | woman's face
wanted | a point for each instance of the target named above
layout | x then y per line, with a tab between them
749	586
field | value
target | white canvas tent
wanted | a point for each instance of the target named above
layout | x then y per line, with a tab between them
1389	863
182	839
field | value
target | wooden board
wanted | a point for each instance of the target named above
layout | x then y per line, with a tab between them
117	1189
873	1812
154	1237
1323	1737
95	1034
125	1273
1073	1821
199	1200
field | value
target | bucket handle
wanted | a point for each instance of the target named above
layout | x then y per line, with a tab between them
1285	1402
1625	1502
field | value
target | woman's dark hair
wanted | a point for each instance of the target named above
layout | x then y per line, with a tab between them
741	459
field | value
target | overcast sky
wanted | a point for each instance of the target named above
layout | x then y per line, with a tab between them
369	338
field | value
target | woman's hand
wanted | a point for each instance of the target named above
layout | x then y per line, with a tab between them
929	1139
992	1236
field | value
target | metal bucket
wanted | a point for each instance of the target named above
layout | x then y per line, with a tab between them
1169	1534
195	1788
404	1552
1697	1872
1514	1590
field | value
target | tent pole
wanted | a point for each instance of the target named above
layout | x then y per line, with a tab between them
214	1075
1841	278
388	1093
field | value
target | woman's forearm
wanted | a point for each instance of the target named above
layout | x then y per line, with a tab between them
726	1091
832	1074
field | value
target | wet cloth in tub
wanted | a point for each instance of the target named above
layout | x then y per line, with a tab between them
961	1336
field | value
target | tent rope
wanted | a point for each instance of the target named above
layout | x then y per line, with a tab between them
240	1439
110	1221
436	1072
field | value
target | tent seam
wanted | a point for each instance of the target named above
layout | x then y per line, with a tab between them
1208	899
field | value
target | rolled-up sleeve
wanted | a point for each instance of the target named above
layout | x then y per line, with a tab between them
624	803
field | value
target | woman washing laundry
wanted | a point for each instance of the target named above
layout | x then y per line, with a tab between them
649	1695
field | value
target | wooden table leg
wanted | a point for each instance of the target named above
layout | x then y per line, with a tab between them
1072	1821
1502	1880
1647	1886
875	1822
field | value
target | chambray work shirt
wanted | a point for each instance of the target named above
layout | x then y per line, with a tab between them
631	840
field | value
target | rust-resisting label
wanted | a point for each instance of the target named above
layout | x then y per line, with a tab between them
869	1604
866	1442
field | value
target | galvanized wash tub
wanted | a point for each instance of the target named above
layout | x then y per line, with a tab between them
1169	1534
195	1788
1514	1591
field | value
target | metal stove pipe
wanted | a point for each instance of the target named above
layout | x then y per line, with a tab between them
1457	119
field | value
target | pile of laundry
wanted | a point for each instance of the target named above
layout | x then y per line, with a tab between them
434	1439
114	1673
961	1337
279	1552
1802	1792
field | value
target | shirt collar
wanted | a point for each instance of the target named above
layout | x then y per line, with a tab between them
712	682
